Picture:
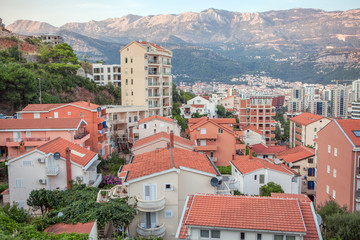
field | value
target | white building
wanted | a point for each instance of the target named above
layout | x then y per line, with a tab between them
39	168
252	173
252	135
356	90
105	74
200	105
319	107
281	216
155	124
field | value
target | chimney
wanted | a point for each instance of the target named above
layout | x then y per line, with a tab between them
68	168
172	138
233	157
250	152
89	103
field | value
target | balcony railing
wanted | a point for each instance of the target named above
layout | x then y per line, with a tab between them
29	139
167	73
151	232
154	105
166	84
153	84
150	205
52	171
166	94
152	61
153	72
81	135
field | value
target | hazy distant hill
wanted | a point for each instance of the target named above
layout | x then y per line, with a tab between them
296	44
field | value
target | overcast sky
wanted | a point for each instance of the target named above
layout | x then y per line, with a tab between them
60	12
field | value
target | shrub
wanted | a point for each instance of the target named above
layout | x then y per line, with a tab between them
224	169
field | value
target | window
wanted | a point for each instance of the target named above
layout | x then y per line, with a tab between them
356	133
310	160
290	237
126	71
329	149
168	214
204	233
132	70
334	173
315	129
335	152
327	189
311	185
278	237
115	117
109	77
334	194
135	118
144	126
56	115
19	183
126	81
129	119
168	187
311	172
202	142
220	130
203	131
27	163
127	92
242	235
131	60
126	60
255	177
36	115
132	81
69	113
20	204
262	179
215	233
132	93
258	236
28	134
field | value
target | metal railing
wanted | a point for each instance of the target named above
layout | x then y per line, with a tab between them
166	84
52	171
158	231
30	139
153	84
81	135
153	61
150	205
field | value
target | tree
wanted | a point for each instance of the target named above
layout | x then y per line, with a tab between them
269	188
221	112
42	199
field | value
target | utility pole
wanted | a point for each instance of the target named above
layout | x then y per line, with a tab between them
40	90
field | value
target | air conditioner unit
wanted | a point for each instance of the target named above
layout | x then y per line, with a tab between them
99	131
304	182
146	56
305	168
42	181
146	68
41	160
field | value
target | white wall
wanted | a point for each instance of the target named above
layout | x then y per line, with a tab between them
158	126
252	138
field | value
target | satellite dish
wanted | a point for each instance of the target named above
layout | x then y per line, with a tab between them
277	161
290	165
319	219
60	214
214	182
57	156
98	109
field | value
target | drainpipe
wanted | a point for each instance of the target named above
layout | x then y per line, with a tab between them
68	168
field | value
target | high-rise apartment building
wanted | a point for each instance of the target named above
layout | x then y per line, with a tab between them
318	107
146	77
251	112
105	74
298	93
295	105
339	101
356	90
355	110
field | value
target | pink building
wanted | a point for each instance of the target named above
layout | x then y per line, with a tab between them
338	157
20	135
215	138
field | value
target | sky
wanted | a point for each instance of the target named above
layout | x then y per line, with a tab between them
60	12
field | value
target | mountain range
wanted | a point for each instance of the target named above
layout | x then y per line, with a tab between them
277	42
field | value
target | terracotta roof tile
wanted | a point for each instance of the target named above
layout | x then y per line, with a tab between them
243	212
207	136
245	165
195	120
300	197
5	191
160	135
350	125
53	123
160	160
48	107
70	228
306	118
156	117
264	149
224	120
60	145
197	105
296	154
206	148
227	98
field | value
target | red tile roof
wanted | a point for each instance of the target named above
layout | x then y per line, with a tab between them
206	136
156	117
48	107
307	213
5	191
306	118
206	148
161	135
165	159
70	228
205	97
242	212
246	165
226	98
52	123
350	125
267	150
252	128
296	154
216	121
152	44
224	120
197	105
195	120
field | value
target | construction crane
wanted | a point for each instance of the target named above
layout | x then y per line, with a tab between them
337	81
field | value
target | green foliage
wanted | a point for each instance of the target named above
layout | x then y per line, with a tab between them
198	115
329	208
224	169
238	193
269	188
33	41
42	199
285	124
3	187
111	164
221	111
17	214
182	122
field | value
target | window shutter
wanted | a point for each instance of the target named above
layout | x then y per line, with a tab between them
19	183
147	192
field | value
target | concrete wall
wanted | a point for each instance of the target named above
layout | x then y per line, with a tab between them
252	138
161	143
155	126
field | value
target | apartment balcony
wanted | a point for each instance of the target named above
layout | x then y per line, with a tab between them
166	62
154	95
118	121
166	73
14	142
166	94
154	105
118	191
81	137
157	232
52	171
153	84
150	205
156	73
166	84
152	61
